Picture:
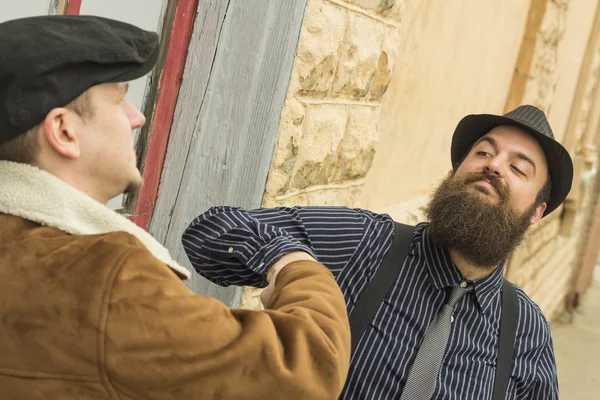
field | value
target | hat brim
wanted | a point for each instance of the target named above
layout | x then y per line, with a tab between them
560	167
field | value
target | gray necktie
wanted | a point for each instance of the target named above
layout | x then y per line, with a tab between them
423	374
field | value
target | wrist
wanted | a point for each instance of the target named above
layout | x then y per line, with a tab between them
285	261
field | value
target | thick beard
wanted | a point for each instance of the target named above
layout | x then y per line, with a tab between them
482	232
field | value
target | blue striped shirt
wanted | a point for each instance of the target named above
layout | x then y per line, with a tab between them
232	246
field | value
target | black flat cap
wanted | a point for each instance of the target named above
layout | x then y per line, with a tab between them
533	120
49	61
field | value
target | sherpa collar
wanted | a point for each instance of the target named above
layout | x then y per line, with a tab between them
36	195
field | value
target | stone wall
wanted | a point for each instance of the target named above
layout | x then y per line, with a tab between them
330	123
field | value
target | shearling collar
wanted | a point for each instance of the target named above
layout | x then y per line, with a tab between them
36	195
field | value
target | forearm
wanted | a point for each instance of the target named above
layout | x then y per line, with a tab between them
229	245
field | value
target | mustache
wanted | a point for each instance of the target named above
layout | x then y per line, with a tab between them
487	176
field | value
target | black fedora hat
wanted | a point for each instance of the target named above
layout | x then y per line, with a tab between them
532	120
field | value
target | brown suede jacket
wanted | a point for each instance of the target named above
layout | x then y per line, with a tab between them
89	311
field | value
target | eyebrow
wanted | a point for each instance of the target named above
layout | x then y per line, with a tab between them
518	153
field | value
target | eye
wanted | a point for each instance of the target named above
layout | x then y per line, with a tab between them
517	170
483	153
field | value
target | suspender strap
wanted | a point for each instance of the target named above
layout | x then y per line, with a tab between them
385	276
508	332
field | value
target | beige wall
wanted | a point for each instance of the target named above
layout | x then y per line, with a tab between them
455	58
569	58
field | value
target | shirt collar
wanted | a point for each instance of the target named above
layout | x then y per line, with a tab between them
444	273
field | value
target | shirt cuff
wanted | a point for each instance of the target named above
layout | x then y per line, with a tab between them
260	260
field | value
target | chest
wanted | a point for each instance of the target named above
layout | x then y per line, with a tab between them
389	347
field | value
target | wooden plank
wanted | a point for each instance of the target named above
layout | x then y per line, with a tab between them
57	7
153	145
73	7
223	138
198	66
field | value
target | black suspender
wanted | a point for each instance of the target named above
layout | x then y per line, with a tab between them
372	296
506	342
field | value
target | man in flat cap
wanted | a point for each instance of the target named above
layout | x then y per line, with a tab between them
430	313
93	307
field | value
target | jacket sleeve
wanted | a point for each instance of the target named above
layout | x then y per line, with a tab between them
163	342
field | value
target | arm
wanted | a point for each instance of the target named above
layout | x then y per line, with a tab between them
338	237
161	341
546	380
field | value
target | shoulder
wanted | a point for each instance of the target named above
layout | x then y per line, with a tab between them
531	313
53	246
533	329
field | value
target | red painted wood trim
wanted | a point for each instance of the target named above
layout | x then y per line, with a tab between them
73	7
165	108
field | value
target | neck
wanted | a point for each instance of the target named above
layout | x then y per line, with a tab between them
78	182
468	270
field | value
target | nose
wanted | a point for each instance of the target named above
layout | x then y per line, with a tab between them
494	166
136	118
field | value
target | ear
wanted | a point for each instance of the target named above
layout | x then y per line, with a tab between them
60	128
539	213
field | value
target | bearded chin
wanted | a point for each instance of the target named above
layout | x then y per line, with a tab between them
482	232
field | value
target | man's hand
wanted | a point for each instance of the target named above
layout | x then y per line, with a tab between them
272	273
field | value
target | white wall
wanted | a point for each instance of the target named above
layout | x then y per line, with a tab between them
10	9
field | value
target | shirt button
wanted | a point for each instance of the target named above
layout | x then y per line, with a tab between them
230	251
452	318
463	285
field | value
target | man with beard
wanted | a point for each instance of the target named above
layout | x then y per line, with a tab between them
92	307
435	334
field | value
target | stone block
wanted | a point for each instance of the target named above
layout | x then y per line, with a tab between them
521	274
289	199
329	197
359	57
537	242
552	229
284	159
553	24
386	63
408	212
321	37
356	197
371	5
513	267
357	148
286	150
251	299
324	128
393	10
385	8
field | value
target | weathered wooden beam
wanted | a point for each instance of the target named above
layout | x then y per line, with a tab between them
227	117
